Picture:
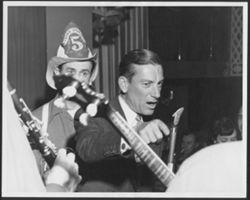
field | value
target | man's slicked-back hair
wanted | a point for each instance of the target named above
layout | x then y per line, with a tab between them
139	57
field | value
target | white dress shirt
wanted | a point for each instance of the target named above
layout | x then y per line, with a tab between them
132	120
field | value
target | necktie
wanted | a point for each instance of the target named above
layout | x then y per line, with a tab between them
138	121
124	146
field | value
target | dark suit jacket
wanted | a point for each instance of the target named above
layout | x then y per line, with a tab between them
102	165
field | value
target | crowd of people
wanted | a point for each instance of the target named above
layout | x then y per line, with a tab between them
102	159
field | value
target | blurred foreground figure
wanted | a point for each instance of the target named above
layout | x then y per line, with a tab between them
215	171
19	169
110	163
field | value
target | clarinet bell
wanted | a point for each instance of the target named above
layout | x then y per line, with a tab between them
91	109
84	118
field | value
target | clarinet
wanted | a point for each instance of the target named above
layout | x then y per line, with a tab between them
35	132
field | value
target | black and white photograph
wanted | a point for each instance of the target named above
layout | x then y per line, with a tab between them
132	99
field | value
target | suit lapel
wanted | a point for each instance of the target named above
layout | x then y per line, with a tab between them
115	103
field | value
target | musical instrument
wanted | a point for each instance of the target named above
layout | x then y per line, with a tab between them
90	100
173	132
34	126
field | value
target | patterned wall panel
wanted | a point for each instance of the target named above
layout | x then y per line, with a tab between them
236	42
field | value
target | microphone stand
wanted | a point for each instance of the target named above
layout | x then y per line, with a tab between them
173	133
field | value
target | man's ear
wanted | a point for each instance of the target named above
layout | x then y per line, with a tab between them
123	84
57	71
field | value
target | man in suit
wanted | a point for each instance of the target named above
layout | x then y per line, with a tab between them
109	162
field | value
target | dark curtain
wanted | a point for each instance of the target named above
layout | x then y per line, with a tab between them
26	65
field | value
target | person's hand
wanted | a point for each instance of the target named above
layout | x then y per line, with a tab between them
153	131
65	172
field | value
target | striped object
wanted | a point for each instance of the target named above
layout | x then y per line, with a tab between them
132	34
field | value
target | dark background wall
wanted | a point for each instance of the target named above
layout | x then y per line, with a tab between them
194	45
194	32
26	62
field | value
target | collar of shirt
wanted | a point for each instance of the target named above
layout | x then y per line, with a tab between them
128	112
54	109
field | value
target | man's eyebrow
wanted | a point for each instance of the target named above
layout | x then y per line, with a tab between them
147	80
70	68
85	70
